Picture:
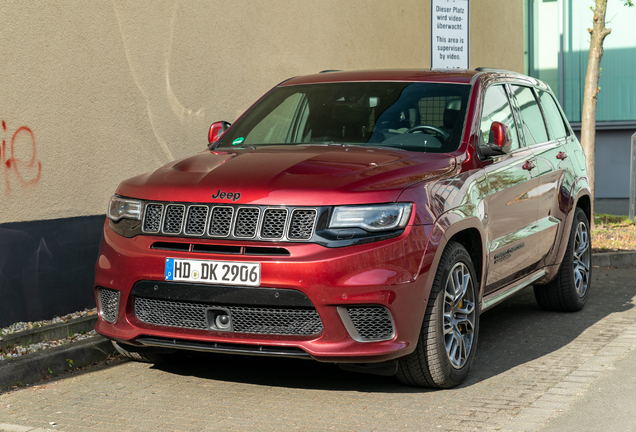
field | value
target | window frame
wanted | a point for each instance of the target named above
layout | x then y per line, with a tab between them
519	113
515	119
559	110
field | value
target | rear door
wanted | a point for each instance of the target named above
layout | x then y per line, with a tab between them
545	133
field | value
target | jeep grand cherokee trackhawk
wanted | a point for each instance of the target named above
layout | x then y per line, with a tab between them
362	218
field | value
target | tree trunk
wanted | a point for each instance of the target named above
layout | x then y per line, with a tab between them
590	95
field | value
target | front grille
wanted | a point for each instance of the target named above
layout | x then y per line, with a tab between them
302	224
152	218
255	320
108	304
173	219
371	323
221	221
230	221
246	222
274	223
197	217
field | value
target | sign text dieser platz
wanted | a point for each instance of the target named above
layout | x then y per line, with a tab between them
449	34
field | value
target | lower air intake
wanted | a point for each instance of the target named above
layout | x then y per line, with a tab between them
108	304
255	320
368	323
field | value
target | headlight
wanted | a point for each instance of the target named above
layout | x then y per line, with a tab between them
124	208
379	217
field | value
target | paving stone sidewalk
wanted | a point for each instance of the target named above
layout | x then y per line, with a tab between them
531	366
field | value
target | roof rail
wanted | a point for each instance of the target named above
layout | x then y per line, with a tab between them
489	69
330	70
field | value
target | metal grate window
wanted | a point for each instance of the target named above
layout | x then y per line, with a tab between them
274	223
302	224
152	217
174	219
256	320
432	111
246	222
195	222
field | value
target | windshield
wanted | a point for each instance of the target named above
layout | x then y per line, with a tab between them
424	117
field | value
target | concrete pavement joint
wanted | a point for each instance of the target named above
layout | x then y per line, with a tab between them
16	428
549	405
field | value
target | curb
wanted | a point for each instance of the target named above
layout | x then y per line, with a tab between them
50	332
614	259
31	368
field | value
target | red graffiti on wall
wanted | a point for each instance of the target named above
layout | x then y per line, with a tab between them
22	142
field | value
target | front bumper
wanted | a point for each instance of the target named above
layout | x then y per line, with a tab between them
387	273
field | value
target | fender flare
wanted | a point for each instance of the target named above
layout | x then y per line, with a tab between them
580	189
447	226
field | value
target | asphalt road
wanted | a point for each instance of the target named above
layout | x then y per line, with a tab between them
534	370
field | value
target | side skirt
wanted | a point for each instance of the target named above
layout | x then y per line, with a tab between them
502	294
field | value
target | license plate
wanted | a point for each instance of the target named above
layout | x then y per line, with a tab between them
213	272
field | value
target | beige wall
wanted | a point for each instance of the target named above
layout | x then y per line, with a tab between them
92	92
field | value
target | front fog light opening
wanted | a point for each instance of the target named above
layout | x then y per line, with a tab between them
219	319
368	323
108	304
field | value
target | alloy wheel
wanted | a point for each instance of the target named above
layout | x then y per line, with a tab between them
581	261
459	315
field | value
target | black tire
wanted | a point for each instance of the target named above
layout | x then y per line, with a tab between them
569	290
138	354
439	360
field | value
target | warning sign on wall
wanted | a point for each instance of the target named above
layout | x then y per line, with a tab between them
449	34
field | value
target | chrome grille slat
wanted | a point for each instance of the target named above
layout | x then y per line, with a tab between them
221	221
254	320
152	217
173	220
302	224
195	222
230	221
274	223
246	222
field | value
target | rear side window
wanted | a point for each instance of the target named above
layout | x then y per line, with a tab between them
552	116
533	125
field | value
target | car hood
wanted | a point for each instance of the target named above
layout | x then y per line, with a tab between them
289	175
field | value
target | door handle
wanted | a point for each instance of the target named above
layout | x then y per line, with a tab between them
528	166
562	156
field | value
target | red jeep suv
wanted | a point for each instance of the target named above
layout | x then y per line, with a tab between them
362	218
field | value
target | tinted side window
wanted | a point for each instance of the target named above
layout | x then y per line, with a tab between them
533	125
552	116
497	108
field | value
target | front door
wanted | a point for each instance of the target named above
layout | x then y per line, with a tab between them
511	208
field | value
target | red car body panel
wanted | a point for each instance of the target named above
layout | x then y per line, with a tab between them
290	176
452	193
387	273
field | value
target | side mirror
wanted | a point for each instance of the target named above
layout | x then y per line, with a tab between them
499	141
216	130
